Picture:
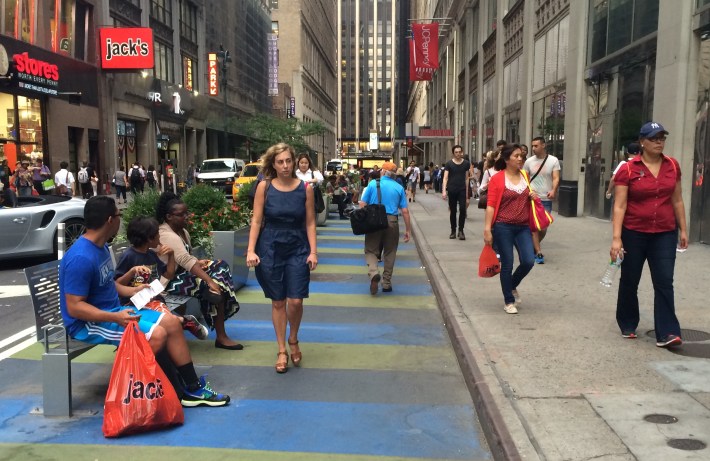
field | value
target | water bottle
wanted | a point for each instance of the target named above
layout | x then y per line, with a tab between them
611	269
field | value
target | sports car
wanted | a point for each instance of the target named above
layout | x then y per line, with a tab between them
30	229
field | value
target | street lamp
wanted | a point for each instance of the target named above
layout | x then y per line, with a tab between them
224	56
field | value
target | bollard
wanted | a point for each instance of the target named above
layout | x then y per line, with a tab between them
60	240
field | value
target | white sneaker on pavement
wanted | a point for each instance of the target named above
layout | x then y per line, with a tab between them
510	309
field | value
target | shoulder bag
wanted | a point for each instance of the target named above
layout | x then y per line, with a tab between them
483	195
370	218
317	196
540	218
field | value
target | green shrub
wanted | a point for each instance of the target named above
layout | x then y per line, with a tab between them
143	205
201	198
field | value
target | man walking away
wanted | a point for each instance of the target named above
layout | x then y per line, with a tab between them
455	188
135	179
544	173
385	241
84	177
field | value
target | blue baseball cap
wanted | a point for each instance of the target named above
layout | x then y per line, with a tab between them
651	129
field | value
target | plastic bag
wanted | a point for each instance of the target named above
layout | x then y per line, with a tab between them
140	398
488	263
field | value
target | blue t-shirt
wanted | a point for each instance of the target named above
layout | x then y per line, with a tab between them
86	270
131	258
393	195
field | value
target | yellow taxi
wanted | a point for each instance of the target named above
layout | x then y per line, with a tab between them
248	175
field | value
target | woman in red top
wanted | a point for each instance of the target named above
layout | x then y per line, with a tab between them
648	212
507	224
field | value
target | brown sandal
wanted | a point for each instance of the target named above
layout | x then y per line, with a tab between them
281	365
296	356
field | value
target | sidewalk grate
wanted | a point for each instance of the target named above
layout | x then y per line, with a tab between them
687	444
688	336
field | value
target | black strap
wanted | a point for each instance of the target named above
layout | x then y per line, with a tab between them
379	193
539	169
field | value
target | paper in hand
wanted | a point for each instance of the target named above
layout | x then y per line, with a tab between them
144	296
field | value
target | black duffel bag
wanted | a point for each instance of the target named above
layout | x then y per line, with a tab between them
370	218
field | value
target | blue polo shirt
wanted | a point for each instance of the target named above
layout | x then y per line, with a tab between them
393	195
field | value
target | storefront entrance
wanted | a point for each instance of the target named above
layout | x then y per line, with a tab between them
700	196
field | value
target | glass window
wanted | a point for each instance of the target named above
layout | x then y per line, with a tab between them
492	16
30	126
645	18
188	20
551	55
539	64
162	11
163	62
619	33
598	21
702	3
562	46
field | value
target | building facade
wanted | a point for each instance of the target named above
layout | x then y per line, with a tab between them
48	70
583	74
305	35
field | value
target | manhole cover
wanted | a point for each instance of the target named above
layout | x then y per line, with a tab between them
330	277
660	419
687	335
687	444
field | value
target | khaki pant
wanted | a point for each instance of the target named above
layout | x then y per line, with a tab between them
386	241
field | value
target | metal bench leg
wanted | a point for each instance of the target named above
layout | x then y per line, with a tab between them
56	384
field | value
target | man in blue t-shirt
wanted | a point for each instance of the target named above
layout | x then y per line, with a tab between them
93	313
385	242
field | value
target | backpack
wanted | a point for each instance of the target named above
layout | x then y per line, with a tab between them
150	177
135	175
83	175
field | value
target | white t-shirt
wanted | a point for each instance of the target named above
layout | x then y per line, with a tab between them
616	170
415	176
64	178
307	176
487	175
542	184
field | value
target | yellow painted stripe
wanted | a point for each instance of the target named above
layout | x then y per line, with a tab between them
327	356
254	295
126	452
360	251
362	269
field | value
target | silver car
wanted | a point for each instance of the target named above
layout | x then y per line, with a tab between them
30	229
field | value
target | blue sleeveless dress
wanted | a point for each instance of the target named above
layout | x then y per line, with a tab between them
283	245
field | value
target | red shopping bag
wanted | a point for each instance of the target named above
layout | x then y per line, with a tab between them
488	264
140	398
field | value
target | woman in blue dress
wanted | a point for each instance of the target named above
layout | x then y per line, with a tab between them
282	245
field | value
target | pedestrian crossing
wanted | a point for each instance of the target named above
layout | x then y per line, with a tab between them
379	381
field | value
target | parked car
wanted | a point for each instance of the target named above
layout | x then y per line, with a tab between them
248	176
220	173
30	229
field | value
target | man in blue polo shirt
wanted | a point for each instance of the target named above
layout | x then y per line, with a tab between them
385	241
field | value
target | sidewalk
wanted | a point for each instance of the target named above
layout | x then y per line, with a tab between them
557	381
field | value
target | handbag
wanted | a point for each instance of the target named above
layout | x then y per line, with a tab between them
483	195
488	263
318	197
48	184
62	189
370	218
140	397
540	218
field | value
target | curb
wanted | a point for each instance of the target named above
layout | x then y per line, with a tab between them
494	428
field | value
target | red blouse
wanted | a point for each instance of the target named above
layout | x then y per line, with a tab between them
514	207
649	205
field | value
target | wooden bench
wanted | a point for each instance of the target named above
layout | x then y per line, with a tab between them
59	348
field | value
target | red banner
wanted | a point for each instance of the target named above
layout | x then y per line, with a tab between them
423	51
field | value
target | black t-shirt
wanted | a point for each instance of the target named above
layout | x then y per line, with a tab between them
457	175
131	258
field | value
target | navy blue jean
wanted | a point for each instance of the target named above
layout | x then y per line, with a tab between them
659	250
505	238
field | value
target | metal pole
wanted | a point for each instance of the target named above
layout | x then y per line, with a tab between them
60	241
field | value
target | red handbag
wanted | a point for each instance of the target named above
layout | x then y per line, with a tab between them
140	398
488	263
540	218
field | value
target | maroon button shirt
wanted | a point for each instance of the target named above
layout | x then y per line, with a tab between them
649	205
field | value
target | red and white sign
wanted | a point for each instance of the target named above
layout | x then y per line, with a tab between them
423	51
212	74
126	48
36	68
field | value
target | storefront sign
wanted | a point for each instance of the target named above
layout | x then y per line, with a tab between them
35	74
126	48
273	65
212	75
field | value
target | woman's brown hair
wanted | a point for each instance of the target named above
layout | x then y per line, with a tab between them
267	160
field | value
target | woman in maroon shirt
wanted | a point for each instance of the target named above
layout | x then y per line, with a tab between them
507	224
648	213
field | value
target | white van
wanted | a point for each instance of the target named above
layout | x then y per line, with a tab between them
220	173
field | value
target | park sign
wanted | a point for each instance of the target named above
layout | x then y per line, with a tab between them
124	48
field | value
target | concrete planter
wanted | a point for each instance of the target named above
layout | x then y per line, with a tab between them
231	246
322	217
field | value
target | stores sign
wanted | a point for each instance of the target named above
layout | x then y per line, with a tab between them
126	48
35	74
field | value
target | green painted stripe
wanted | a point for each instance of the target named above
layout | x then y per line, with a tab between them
122	453
360	251
254	295
362	269
342	237
327	356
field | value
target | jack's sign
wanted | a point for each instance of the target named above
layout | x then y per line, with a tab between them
126	48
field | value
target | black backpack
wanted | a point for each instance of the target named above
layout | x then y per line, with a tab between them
135	175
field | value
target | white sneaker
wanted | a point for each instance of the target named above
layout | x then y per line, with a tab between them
510	309
517	298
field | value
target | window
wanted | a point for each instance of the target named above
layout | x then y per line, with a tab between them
274	4
188	20
492	16
162	11
163	62
275	27
615	24
550	64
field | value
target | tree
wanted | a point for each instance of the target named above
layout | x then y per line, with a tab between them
266	130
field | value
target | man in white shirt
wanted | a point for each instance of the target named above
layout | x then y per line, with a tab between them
412	175
544	174
64	181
